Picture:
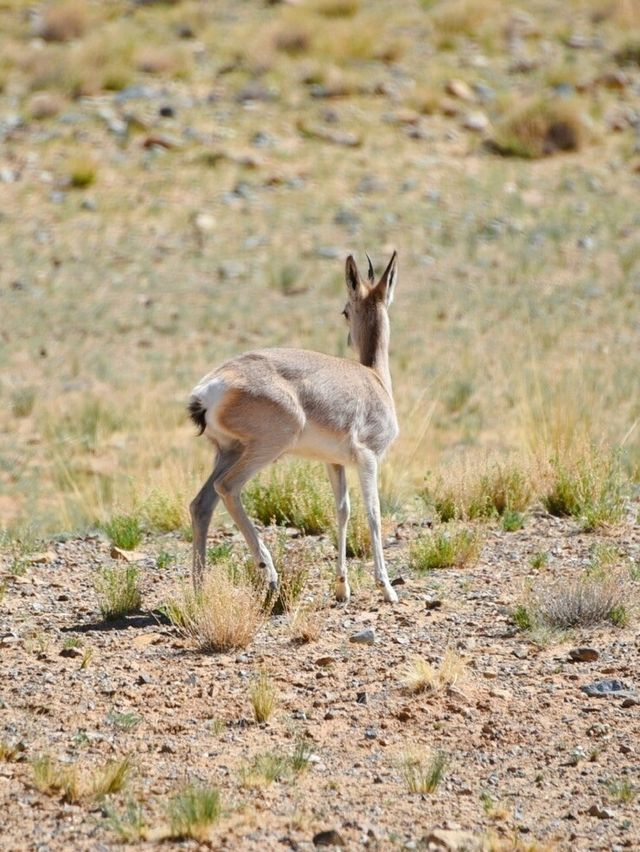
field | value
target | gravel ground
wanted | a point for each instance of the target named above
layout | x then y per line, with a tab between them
532	761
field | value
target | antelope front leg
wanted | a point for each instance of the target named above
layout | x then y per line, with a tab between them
368	473
338	481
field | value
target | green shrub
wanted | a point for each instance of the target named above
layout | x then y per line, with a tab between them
292	495
124	531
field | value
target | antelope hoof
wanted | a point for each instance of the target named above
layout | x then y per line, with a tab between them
343	592
390	594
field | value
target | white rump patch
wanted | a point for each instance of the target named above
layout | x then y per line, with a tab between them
210	392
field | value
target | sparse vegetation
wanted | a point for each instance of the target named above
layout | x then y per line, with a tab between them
422	676
590	487
422	773
124	531
582	602
75	784
194	811
542	127
264	697
444	548
487	489
128	824
292	495
118	590
226	614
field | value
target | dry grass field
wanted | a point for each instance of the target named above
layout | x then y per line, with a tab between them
182	181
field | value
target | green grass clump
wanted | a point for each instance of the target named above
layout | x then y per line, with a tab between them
512	521
128	824
421	774
590	487
82	173
292	495
444	549
22	401
118	591
124	531
193	812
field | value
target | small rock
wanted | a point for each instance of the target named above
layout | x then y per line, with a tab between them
583	655
330	837
370	734
455	841
361	697
398	581
459	89
604	688
166	111
476	121
433	603
364	637
71	652
600	812
323	662
631	701
44	105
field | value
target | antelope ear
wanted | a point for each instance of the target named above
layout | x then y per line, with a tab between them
387	283
370	273
352	277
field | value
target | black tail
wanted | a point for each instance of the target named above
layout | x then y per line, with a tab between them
197	413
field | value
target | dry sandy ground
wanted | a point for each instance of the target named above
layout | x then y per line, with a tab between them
529	756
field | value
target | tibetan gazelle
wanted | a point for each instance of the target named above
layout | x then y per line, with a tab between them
264	404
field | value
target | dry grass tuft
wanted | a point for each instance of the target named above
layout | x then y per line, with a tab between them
64	21
336	8
264	697
306	622
226	614
484	489
423	773
422	676
586	481
480	20
542	127
52	777
594	598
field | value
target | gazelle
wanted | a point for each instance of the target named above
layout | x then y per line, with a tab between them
269	402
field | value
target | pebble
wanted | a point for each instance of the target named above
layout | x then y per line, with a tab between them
459	89
476	121
600	688
601	812
583	655
329	837
364	637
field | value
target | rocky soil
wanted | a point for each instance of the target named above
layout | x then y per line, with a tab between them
532	761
